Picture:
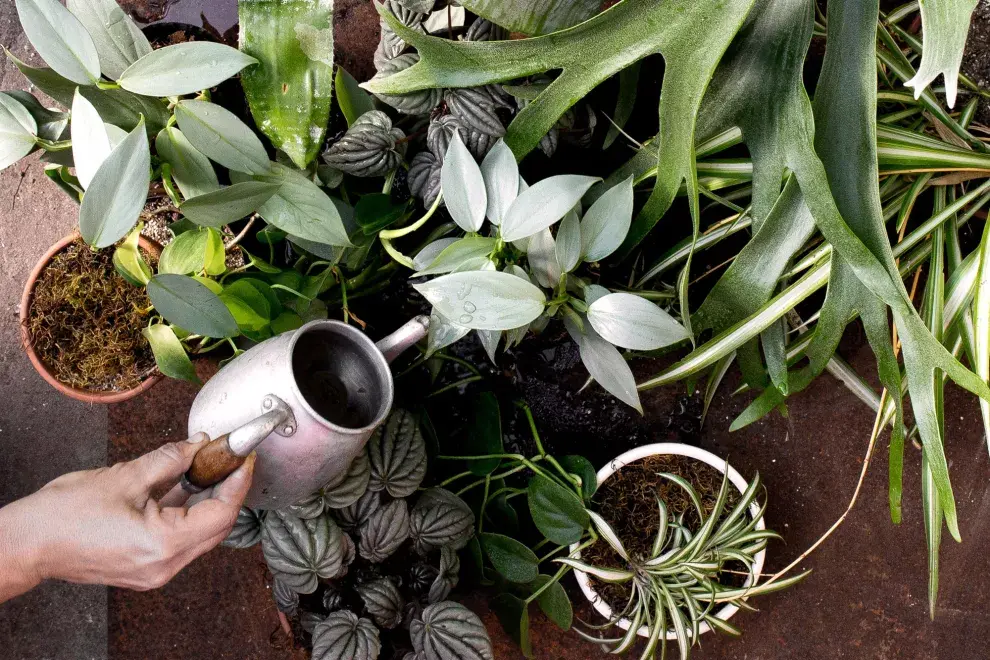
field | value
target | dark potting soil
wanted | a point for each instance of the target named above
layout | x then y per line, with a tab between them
628	502
85	322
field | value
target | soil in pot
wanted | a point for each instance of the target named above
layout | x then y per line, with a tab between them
627	500
85	322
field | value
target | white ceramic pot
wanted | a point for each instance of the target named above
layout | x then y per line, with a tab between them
677	449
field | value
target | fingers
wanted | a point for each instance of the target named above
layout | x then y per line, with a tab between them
166	464
176	497
215	517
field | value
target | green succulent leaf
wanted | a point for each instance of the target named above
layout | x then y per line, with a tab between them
484	300
184	68
225	205
170	355
557	512
119	41
17	131
291	89
513	560
118	191
223	137
189	304
191	169
61	40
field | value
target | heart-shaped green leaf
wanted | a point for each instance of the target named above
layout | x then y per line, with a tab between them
248	305
513	614
513	560
60	39
554	602
170	356
223	137
583	468
118	192
377	211
557	512
184	68
184	302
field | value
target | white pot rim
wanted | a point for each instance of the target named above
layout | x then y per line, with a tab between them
676	449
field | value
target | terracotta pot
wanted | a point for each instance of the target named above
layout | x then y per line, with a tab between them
688	451
80	395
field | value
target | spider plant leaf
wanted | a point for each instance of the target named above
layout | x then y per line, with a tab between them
118	192
945	25
727	595
631	635
689	490
981	318
677	619
607	533
722	626
291	89
604	574
119	41
588	54
184	68
533	16
61	40
933	529
658	627
661	538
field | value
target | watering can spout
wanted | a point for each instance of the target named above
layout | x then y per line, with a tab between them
405	337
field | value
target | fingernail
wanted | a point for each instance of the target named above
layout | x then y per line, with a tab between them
250	460
197	438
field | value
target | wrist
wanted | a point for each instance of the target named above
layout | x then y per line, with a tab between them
21	551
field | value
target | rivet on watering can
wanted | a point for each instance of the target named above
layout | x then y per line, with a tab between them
267	403
288	429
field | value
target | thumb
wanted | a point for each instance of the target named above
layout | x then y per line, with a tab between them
217	515
164	466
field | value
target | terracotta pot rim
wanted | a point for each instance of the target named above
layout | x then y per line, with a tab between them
26	343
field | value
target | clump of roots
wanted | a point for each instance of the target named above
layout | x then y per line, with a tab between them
85	322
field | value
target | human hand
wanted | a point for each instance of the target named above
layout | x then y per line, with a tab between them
104	527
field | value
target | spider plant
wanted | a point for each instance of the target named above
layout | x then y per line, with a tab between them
677	587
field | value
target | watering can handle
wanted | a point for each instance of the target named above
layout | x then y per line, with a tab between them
410	333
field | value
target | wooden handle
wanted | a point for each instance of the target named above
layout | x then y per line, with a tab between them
212	464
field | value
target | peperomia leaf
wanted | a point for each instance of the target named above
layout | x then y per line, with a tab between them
348	487
184	302
184	68
60	39
382	601
501	174
398	455
372	146
225	205
513	560
344	636
384	531
355	515
286	598
450	631
300	551
543	204
513	614
291	89
17	131
945	26
118	191
170	355
119	41
534	17
463	186
90	141
308	507
605	364
446	580
223	137
557	512
629	321
606	223
191	169
246	531
484	300
440	519
300	207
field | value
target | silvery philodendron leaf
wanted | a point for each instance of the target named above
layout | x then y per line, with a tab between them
440	519
398	455
484	300
309	507
382	601
463	186
629	321
458	255
443	333
90	141
369	148
424	177
384	531
543	204
299	552
542	256
119	41
475	107
568	249
344	636
61	40
246	531
446	580
605	364
355	515
286	598
606	222
450	631
442	129
489	341
348	487
414	103
501	174
484	30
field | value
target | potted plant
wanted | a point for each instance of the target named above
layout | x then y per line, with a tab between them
681	547
368	562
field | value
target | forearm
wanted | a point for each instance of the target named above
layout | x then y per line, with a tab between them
20	552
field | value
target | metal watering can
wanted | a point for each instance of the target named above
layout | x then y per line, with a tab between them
306	400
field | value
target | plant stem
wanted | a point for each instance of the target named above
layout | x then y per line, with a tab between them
450	480
532	426
456	384
484	502
389	234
